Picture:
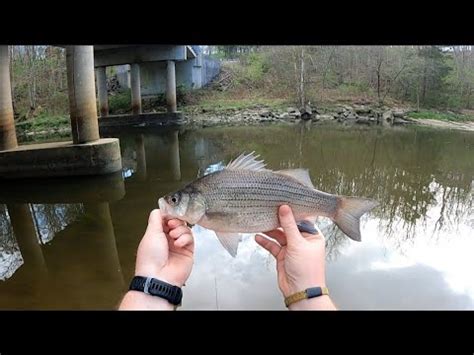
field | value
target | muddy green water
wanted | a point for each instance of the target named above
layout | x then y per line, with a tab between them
71	243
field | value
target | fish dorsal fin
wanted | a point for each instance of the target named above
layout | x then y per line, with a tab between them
302	175
246	162
230	241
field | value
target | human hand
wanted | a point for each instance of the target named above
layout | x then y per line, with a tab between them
166	251
300	260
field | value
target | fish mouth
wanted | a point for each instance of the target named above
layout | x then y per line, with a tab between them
162	205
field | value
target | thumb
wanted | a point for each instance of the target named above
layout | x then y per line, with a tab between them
288	223
155	223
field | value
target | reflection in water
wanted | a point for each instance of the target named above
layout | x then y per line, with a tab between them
10	256
383	279
79	264
416	245
174	156
141	157
25	234
51	218
99	218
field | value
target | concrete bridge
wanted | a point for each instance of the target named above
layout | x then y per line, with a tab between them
88	153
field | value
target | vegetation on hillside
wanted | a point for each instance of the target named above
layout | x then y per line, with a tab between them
424	77
436	81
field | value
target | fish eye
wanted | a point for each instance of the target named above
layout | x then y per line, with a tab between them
174	198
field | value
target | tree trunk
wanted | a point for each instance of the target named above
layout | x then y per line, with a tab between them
378	85
302	93
423	87
295	60
379	66
30	50
326	69
468	103
12	86
418	96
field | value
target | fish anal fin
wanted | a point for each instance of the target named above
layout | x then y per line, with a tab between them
230	241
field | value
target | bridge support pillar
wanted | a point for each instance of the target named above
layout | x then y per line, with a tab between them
87	154
135	86
82	100
7	123
171	86
101	77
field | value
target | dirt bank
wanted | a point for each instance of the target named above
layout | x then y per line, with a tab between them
464	126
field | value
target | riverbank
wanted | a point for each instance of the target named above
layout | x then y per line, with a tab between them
360	113
260	111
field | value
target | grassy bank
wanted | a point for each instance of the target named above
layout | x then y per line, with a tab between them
43	126
224	103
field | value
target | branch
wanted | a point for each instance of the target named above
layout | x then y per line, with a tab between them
393	80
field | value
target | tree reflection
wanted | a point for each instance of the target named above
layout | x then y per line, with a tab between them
10	256
52	218
422	177
26	226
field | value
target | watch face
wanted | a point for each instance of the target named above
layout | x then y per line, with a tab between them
314	292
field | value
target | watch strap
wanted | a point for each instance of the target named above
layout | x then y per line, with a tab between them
306	294
155	287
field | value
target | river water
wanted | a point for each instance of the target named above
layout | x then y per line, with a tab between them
71	243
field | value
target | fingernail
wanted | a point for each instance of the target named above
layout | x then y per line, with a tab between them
284	210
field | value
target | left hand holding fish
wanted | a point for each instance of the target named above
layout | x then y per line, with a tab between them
300	260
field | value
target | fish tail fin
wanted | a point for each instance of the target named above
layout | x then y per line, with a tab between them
348	214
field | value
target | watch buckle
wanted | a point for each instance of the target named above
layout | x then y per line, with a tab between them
147	285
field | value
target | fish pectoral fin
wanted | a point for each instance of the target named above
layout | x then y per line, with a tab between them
307	227
302	175
230	241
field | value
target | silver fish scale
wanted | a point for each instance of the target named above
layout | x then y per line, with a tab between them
247	201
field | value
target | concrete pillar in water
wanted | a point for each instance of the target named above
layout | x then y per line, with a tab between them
135	86
174	156
82	99
7	124
171	86
25	234
141	157
101	77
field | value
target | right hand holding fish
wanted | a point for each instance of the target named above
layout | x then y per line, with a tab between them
300	260
166	252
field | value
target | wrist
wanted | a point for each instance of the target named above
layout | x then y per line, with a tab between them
160	275
318	303
136	300
302	285
158	289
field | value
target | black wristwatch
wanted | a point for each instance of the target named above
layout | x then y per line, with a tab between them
150	286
